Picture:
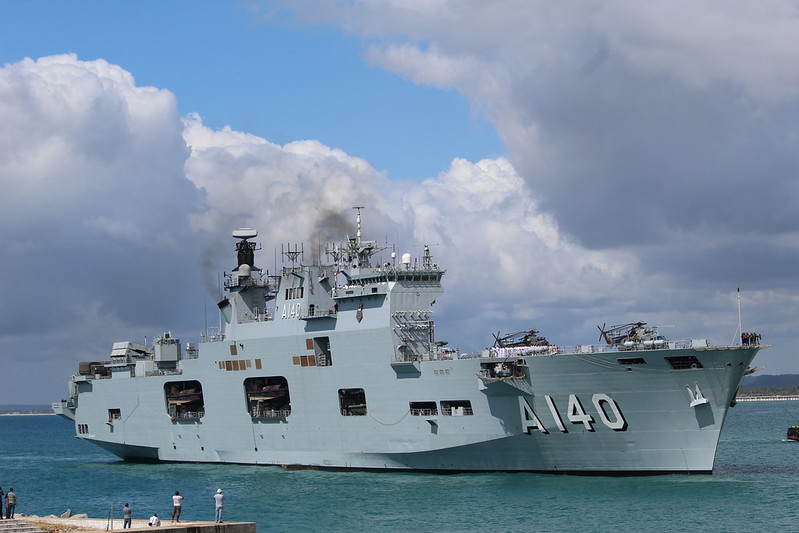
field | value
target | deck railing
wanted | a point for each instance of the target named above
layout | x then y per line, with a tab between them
270	413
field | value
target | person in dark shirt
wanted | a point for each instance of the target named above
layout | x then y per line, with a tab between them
127	516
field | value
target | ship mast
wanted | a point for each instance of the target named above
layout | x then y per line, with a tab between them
358	223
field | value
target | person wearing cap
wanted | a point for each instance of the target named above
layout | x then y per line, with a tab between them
219	500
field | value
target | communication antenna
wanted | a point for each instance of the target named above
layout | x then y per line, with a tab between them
427	259
292	252
740	323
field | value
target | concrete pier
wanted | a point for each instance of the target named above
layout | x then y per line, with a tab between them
16	525
54	524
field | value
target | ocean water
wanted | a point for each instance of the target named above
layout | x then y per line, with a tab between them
755	487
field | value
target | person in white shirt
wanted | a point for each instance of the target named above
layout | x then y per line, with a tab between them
177	499
219	500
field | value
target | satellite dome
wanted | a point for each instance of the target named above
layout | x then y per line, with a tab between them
244	270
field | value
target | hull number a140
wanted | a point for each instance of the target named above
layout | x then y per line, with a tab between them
606	408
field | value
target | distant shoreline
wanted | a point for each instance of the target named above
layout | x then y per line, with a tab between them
786	398
24	413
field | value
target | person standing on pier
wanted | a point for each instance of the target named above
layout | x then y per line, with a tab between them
1	503
177	501
11	503
219	500
127	516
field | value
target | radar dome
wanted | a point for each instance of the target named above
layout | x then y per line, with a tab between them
406	258
245	233
244	270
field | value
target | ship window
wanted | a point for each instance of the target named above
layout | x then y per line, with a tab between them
456	408
423	408
184	400
684	362
352	402
321	348
114	414
267	397
631	361
293	293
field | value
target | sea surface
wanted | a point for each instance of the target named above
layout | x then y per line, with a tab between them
755	487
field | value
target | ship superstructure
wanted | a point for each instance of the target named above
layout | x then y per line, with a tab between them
337	366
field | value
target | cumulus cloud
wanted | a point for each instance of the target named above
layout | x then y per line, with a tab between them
117	214
630	121
627	193
478	218
94	215
662	130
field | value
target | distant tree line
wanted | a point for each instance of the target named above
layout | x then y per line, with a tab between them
762	381
769	391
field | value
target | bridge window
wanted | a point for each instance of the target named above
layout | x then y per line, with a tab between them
293	293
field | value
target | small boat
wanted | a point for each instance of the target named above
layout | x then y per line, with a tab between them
793	433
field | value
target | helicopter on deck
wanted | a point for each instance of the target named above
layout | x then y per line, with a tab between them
635	335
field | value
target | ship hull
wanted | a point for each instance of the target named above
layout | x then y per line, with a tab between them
586	413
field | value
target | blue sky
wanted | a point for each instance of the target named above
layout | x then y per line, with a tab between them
262	74
573	164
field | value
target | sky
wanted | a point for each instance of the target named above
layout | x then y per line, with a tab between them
572	164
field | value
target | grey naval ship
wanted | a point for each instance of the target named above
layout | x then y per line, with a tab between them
336	366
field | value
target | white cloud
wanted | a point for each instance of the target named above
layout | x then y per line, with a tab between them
663	131
751	45
94	213
115	204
